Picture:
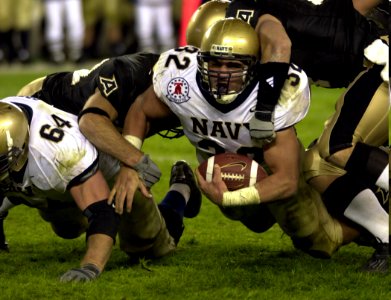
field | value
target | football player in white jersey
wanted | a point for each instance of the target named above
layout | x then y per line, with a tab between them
361	119
45	161
212	92
43	154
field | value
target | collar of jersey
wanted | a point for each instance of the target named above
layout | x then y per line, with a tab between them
225	108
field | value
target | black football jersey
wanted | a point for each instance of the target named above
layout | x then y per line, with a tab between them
119	79
328	38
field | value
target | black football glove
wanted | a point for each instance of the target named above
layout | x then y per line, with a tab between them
85	273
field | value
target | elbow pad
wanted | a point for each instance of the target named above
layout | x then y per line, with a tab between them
93	110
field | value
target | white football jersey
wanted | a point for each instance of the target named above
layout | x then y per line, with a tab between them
59	154
214	128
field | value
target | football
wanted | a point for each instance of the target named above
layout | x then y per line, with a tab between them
237	171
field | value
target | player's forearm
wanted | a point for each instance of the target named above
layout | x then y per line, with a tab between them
283	159
274	41
136	123
275	188
103	134
99	247
364	6
140	112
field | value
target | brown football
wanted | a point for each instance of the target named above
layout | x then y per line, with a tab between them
237	171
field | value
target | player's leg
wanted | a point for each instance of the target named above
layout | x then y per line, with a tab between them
359	126
164	27
306	220
362	209
155	230
75	29
22	28
54	30
143	231
348	198
66	219
144	23
54	89
257	218
5	206
32	88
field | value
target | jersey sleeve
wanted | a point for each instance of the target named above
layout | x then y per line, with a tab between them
174	73
160	70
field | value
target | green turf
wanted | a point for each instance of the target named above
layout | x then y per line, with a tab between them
216	258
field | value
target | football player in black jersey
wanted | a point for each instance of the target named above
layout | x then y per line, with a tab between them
326	38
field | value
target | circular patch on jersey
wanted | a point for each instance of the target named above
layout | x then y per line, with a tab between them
178	90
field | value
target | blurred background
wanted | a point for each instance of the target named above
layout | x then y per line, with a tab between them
76	31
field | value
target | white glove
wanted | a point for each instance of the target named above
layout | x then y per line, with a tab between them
262	127
377	52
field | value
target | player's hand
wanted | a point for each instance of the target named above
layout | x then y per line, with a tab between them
262	128
148	171
85	273
125	186
215	189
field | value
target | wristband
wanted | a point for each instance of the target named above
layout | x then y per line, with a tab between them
134	140
245	196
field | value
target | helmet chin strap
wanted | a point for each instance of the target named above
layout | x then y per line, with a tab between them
225	99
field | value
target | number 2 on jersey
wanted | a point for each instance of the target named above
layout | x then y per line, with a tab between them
181	65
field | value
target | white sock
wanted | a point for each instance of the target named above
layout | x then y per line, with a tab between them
366	211
382	181
181	188
6	205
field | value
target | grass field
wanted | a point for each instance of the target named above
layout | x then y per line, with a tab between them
216	258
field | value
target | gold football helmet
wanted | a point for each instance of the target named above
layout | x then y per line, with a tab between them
14	136
203	18
227	57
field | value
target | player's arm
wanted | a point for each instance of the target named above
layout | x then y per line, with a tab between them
282	157
96	123
144	110
274	65
275	42
364	6
91	197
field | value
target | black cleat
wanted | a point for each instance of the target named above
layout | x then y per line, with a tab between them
181	172
4	246
3	242
378	263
